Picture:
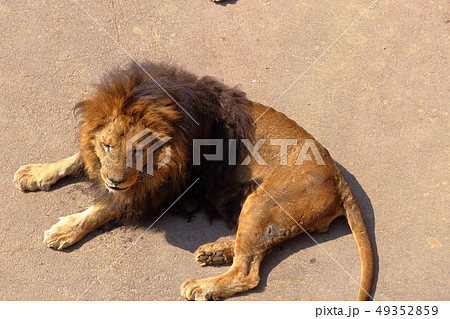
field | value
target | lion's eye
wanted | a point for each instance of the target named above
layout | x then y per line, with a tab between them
106	148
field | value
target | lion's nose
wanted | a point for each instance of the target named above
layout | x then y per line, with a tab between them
116	181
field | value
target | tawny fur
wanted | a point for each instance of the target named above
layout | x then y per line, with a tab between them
267	203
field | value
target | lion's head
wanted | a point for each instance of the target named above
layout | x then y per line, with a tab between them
110	121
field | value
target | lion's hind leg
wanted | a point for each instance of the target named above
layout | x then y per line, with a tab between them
217	253
41	176
251	245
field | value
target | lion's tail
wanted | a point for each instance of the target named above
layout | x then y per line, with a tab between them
358	227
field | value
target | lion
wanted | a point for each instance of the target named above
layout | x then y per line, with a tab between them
268	191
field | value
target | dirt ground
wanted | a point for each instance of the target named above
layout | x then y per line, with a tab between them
371	84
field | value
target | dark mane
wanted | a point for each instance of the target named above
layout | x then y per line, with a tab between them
188	106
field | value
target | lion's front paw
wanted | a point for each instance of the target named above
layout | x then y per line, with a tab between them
33	177
199	289
64	233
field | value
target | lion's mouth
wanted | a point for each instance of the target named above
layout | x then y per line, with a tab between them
115	188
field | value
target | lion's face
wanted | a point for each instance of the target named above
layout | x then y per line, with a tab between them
111	149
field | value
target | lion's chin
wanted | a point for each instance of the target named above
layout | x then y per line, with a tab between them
113	189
